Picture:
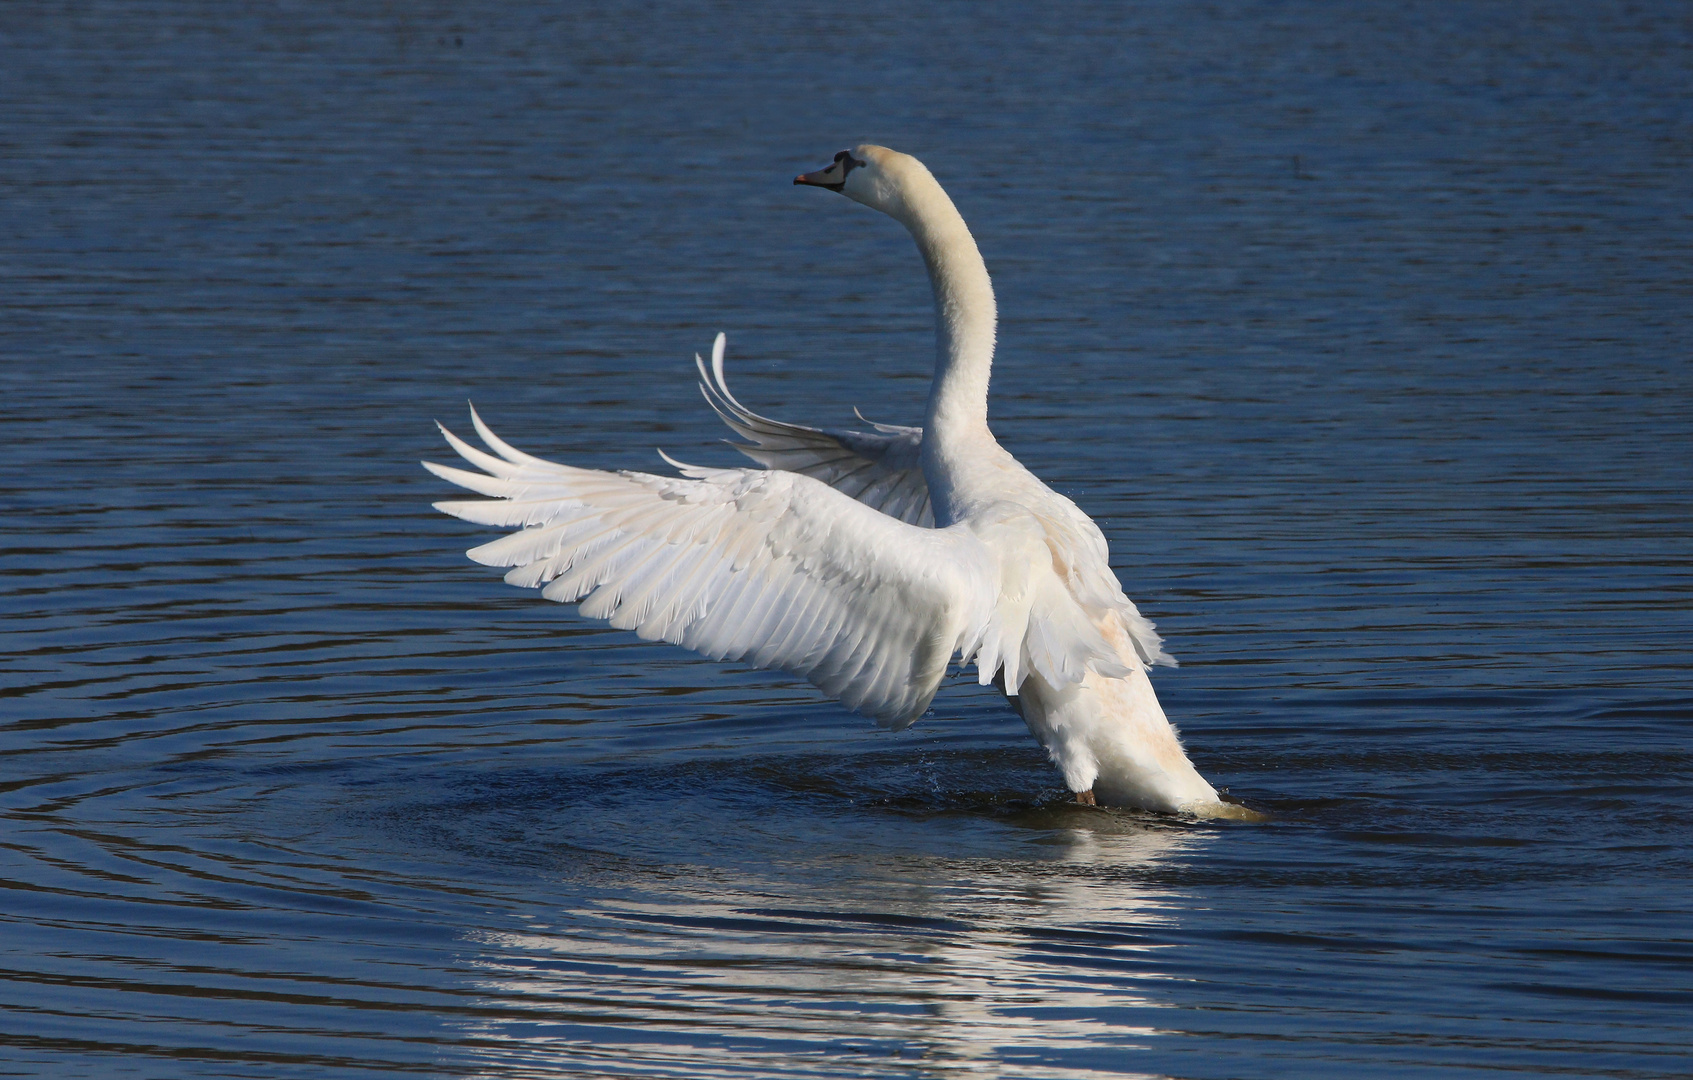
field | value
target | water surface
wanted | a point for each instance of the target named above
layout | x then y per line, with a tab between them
1362	330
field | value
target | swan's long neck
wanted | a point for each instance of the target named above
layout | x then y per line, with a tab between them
965	316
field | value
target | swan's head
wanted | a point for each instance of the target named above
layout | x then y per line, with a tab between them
881	179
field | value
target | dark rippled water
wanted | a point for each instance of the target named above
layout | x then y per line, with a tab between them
1363	330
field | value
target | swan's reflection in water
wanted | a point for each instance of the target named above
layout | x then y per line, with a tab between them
875	965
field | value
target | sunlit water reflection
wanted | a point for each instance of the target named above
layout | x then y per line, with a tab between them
929	965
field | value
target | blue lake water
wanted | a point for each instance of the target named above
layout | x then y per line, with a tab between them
1362	329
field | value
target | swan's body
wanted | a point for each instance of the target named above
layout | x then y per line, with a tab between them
861	561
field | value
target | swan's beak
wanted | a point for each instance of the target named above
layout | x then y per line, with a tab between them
833	177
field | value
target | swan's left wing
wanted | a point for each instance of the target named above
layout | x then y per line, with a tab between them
881	470
772	568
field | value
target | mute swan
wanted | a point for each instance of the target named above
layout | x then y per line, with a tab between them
865	562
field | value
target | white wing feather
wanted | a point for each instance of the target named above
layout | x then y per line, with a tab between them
881	470
773	568
884	471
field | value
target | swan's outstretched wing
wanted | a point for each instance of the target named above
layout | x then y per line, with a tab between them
880	470
773	568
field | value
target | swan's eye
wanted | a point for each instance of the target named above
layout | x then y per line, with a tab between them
847	162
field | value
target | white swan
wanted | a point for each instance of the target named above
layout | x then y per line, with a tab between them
865	562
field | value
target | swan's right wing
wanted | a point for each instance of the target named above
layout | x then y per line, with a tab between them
771	568
881	470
